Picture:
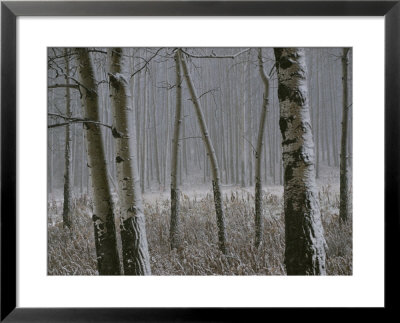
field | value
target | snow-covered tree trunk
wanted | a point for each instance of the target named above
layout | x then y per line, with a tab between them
304	236
258	153
103	211
344	171
67	153
175	192
211	155
135	253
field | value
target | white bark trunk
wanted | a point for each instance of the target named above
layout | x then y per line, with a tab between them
212	157
135	251
304	236
258	154
103	216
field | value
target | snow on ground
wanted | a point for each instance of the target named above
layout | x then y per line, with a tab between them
196	189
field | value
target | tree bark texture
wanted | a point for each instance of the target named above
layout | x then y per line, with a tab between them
135	253
304	236
211	154
68	152
258	154
175	192
344	170
103	215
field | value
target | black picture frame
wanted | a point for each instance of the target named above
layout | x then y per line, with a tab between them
11	10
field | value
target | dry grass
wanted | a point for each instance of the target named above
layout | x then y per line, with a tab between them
72	252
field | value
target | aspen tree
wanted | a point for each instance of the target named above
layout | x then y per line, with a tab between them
67	204
304	236
103	210
344	171
135	253
175	192
258	153
211	155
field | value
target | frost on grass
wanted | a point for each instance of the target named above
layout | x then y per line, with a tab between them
73	252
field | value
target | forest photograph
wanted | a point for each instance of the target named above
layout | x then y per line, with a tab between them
173	161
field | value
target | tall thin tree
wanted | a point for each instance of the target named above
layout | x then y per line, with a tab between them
344	170
174	226
258	153
135	253
103	210
304	236
211	155
67	204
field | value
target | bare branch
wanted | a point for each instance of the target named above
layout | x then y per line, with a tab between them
254	150
54	86
78	121
96	51
147	62
190	138
213	55
212	90
50	114
73	120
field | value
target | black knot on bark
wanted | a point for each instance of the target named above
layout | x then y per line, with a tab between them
293	95
133	210
116	133
285	62
113	81
119	159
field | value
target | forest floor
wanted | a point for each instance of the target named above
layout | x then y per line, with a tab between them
72	252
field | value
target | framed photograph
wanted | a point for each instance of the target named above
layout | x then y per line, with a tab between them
225	150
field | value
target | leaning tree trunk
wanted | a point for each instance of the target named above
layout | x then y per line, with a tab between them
304	236
135	253
174	226
103	211
258	153
67	153
211	154
344	171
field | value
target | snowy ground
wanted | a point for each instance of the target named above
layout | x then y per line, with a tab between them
195	190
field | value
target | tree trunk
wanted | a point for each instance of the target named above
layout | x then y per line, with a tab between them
344	171
143	138
67	153
175	193
211	154
82	164
135	251
103	215
258	154
304	237
243	161
167	148
318	107
157	161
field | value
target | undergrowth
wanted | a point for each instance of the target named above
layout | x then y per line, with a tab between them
72	252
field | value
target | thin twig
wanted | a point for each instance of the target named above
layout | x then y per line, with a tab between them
147	62
190	138
213	55
54	86
78	121
250	144
73	120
